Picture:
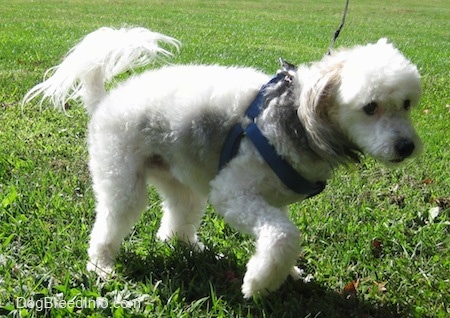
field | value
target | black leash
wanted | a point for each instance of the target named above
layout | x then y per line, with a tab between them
338	31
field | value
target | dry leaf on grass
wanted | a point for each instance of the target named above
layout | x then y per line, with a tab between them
350	290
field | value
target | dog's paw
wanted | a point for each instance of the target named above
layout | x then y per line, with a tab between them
250	289
185	233
263	277
101	261
105	272
197	246
164	234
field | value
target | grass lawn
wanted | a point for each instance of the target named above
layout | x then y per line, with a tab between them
385	231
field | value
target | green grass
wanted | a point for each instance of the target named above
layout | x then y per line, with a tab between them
46	200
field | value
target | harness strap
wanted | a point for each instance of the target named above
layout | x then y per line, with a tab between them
255	107
233	141
288	175
231	145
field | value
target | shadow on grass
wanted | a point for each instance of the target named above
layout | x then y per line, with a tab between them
218	279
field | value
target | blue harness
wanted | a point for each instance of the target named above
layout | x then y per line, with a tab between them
290	177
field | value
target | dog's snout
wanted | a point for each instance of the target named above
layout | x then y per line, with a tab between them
404	147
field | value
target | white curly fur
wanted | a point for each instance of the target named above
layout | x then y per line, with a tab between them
166	127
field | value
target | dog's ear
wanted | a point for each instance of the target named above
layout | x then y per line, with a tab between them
317	106
317	99
325	92
287	67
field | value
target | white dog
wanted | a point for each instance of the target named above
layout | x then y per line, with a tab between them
169	127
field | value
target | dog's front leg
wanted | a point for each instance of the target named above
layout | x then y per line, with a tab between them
277	238
277	248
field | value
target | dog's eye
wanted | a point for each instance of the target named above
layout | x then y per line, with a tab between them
371	108
407	104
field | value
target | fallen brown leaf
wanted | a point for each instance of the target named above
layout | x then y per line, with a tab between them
350	290
377	248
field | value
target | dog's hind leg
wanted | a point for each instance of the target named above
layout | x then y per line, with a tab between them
121	195
182	211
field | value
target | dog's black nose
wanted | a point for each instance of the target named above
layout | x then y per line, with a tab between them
404	147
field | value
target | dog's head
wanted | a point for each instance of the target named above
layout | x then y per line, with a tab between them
366	94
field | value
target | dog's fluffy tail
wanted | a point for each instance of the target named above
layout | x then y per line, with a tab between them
99	57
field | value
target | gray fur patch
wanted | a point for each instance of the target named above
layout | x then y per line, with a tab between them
282	111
